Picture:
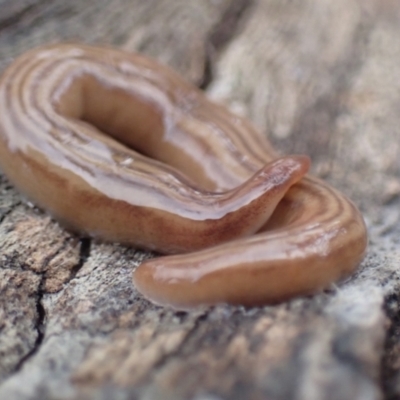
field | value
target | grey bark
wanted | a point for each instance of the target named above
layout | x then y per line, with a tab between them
318	77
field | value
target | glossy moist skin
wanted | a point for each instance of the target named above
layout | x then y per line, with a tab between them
118	147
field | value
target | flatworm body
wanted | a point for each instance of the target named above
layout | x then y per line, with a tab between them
116	146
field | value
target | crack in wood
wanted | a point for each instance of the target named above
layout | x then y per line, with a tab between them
192	331
9	209
221	35
40	323
390	371
40	327
84	254
23	13
6	213
229	24
208	73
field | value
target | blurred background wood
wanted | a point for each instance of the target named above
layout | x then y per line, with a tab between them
320	78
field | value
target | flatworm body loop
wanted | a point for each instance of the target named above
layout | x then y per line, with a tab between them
116	146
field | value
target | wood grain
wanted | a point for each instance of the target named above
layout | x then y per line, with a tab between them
316	77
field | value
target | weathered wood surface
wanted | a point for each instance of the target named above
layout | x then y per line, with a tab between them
318	77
